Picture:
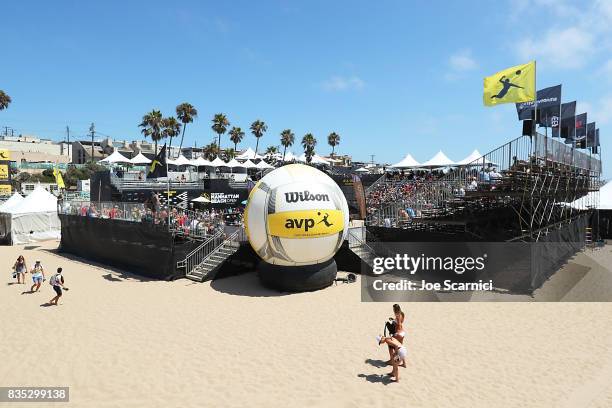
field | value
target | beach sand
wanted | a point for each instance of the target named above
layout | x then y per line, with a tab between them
120	341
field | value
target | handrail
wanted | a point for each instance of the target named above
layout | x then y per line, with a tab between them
198	255
375	183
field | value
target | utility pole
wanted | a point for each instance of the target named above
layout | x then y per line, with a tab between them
92	129
68	135
372	160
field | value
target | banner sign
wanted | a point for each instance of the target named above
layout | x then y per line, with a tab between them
4	172
5	155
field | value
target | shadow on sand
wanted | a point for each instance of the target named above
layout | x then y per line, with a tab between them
118	275
377	378
247	284
376	363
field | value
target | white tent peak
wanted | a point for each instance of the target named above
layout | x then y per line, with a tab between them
12	202
439	160
475	155
115	157
406	162
249	154
234	163
218	162
39	200
140	159
249	164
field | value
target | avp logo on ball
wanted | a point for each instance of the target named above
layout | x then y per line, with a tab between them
305	223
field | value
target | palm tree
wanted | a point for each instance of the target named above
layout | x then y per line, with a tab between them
287	139
186	113
271	151
152	126
258	128
171	128
333	140
220	124
236	135
309	142
210	151
5	100
230	154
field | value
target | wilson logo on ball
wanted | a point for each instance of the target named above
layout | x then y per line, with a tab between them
305	223
297	196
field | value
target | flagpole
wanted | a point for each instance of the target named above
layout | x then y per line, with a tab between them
535	110
167	189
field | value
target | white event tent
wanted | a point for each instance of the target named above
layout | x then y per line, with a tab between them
289	157
218	162
13	201
140	159
249	165
32	219
439	160
249	154
262	165
406	163
115	157
475	155
316	159
200	161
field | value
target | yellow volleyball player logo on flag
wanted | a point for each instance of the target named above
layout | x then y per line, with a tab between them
512	85
59	180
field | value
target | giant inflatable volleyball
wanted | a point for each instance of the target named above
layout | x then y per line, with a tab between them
296	219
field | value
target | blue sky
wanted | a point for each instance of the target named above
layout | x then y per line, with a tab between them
391	77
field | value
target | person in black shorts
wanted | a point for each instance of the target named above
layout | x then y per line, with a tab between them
57	281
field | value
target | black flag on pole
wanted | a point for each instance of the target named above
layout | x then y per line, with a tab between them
549	101
581	122
158	165
590	142
568	122
595	148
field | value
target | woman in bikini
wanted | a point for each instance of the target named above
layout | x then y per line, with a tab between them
399	333
399	354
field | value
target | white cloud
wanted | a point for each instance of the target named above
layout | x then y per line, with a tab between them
462	61
567	48
340	83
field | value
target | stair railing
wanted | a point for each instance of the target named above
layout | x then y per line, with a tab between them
197	256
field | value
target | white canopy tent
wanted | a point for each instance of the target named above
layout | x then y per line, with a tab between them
262	165
362	170
13	201
218	162
439	160
289	157
316	159
235	163
140	159
605	199
181	161
249	165
201	199
249	154
406	163
200	161
475	155
116	157
33	219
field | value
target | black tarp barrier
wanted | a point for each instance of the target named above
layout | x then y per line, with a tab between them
140	248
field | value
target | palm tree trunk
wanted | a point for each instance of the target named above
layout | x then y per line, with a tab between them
219	144
235	146
156	148
284	151
256	146
182	137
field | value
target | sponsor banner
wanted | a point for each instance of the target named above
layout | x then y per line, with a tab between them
4	172
5	189
305	223
224	198
5	155
359	196
549	100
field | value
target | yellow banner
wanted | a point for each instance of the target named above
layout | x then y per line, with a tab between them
512	85
305	223
4	172
59	180
5	189
5	154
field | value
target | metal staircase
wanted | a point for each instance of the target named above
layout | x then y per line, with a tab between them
203	262
358	245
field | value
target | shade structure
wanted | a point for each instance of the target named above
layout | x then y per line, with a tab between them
235	163
218	162
289	157
249	154
200	161
115	157
12	202
32	219
262	165
362	170
439	160
249	165
181	161
406	163
603	202
140	159
316	159
475	155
